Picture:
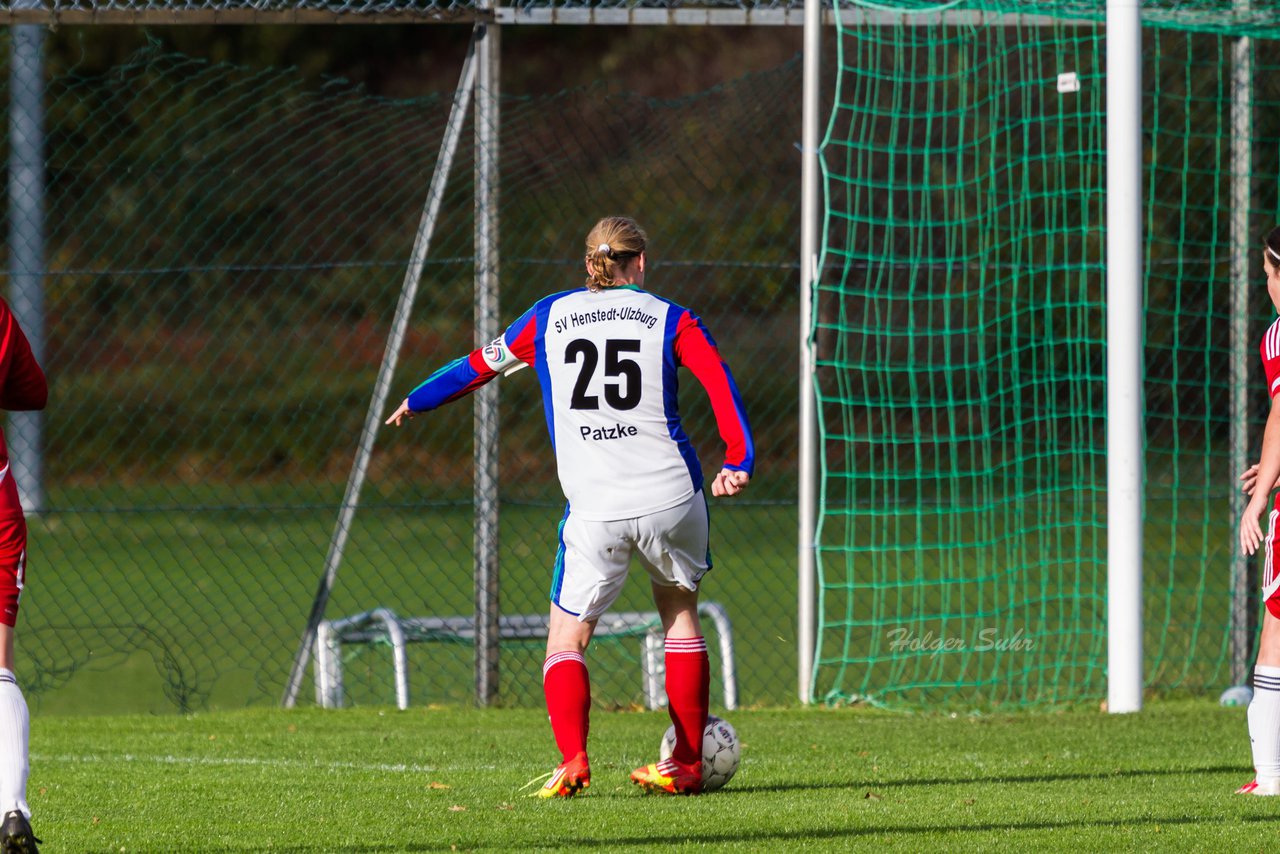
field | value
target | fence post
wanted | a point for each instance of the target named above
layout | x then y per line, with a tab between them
386	370
485	417
806	640
1124	356
1242	623
26	243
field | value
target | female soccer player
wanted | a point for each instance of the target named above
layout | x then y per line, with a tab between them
606	357
22	387
1258	482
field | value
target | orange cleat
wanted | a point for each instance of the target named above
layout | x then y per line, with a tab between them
568	779
669	777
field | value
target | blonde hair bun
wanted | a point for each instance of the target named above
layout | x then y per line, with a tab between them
612	243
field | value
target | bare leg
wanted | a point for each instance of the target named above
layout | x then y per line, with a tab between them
678	609
1269	641
6	646
566	634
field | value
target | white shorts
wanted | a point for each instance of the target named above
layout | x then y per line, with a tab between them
593	558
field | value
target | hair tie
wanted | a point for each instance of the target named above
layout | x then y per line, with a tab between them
604	249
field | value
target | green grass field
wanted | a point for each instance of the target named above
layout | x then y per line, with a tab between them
125	609
161	610
443	779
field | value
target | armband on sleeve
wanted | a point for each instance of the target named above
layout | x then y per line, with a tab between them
498	356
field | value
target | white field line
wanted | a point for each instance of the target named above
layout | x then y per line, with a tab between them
252	762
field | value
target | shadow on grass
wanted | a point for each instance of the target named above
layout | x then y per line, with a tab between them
1003	778
755	836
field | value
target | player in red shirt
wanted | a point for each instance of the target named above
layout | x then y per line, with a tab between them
22	387
1258	482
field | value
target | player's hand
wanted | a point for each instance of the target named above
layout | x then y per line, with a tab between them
729	482
404	413
1250	530
1249	480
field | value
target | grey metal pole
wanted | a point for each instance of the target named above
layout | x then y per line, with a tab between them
486	495
26	244
1124	356
806	633
382	385
1241	254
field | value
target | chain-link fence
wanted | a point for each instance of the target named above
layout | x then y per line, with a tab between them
224	250
578	12
224	247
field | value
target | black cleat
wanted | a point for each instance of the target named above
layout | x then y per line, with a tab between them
16	836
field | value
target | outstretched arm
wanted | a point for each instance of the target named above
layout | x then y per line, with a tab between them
696	350
505	354
456	379
402	413
1264	481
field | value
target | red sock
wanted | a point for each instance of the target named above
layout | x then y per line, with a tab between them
568	692
688	690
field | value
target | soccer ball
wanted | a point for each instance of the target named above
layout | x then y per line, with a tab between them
720	752
1236	695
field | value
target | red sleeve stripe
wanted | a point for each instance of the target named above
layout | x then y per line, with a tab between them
459	377
695	350
521	344
484	374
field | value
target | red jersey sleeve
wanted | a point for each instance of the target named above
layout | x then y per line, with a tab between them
22	382
1271	358
697	351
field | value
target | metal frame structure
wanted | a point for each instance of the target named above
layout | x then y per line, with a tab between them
1243	620
480	78
26	245
810	267
383	626
386	370
703	13
1124	356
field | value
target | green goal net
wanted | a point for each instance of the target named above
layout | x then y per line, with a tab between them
959	325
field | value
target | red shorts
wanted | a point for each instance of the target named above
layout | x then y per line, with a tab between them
13	566
1271	565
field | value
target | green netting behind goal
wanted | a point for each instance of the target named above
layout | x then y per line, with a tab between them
960	326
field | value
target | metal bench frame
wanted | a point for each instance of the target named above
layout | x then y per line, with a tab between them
382	625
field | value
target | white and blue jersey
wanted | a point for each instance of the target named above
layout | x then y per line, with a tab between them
607	363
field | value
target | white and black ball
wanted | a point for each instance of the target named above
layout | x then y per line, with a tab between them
721	752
